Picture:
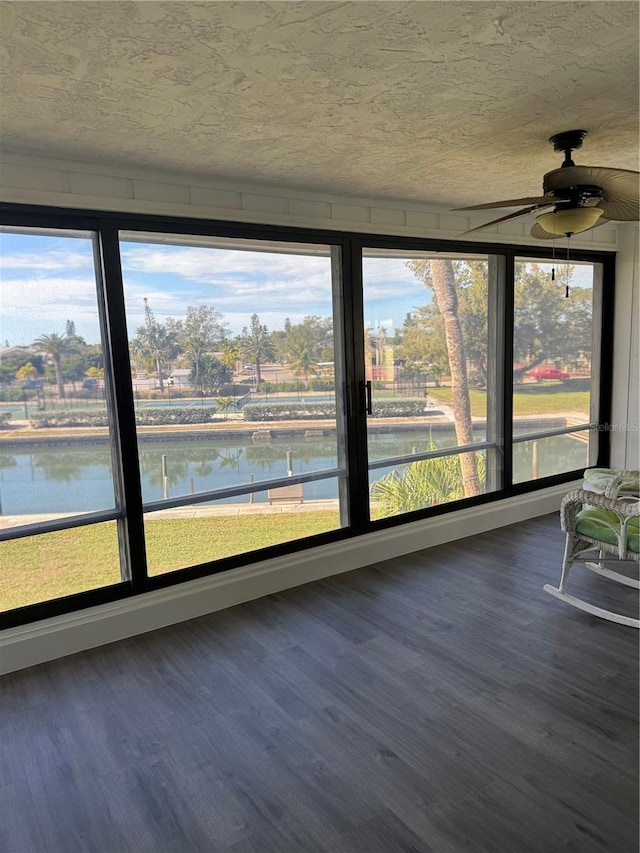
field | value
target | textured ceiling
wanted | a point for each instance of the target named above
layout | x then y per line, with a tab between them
437	102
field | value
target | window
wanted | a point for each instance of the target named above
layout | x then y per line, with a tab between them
236	358
431	378
179	398
58	498
552	370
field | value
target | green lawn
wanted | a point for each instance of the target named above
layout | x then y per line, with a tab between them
543	398
39	568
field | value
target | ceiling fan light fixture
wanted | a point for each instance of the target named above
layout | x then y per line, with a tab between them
569	221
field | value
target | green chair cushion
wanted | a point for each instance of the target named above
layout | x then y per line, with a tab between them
598	523
600	478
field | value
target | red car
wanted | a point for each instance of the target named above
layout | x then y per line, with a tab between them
540	373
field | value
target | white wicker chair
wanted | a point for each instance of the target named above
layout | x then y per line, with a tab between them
608	523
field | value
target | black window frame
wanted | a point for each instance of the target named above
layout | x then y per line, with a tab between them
108	225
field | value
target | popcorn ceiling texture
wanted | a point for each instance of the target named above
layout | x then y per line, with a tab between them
440	103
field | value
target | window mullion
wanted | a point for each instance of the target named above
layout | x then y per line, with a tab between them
507	367
120	397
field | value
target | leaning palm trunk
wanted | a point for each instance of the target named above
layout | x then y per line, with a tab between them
444	286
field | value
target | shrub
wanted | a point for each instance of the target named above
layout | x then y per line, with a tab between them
321	385
69	418
402	407
5	417
176	415
288	411
16	395
145	417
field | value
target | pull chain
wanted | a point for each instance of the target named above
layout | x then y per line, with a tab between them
566	293
553	264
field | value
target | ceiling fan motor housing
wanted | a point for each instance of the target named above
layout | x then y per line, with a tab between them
566	142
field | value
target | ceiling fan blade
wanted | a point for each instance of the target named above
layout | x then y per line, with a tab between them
536	201
620	188
539	232
509	216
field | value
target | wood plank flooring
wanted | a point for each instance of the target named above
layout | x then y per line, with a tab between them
437	702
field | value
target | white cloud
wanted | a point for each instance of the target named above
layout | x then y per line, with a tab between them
53	298
237	283
57	259
216	265
389	278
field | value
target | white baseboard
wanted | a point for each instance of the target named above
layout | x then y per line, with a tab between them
37	642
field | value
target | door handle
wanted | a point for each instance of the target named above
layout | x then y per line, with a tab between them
367	397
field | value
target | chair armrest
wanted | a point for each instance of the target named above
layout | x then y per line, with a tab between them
573	502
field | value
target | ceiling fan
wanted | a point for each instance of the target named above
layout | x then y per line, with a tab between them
575	198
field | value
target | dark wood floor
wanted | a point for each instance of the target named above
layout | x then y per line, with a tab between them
437	702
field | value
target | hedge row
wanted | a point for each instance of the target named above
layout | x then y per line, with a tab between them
402	408
69	418
177	415
145	417
408	407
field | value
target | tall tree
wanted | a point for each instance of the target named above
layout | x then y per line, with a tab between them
440	275
55	346
212	373
256	345
155	341
199	334
318	334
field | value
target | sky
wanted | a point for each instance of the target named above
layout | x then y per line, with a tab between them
47	280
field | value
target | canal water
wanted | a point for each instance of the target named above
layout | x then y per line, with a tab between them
78	478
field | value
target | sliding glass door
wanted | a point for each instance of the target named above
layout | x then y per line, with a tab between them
431	373
237	372
179	397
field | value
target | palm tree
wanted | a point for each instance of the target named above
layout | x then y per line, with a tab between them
55	346
224	404
256	345
441	276
423	484
301	359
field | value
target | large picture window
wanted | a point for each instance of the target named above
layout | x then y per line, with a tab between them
179	398
58	468
236	357
553	345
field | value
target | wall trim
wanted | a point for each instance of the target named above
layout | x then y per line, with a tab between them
28	179
38	642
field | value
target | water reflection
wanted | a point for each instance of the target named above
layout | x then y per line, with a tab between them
79	479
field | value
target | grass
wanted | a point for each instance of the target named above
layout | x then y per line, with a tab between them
40	568
543	398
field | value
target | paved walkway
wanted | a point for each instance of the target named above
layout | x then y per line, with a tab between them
201	511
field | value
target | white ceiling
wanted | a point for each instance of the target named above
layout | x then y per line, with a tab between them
436	102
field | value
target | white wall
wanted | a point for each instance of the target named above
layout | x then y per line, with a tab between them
625	413
64	184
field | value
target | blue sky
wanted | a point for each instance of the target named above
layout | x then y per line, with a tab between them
44	281
47	280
